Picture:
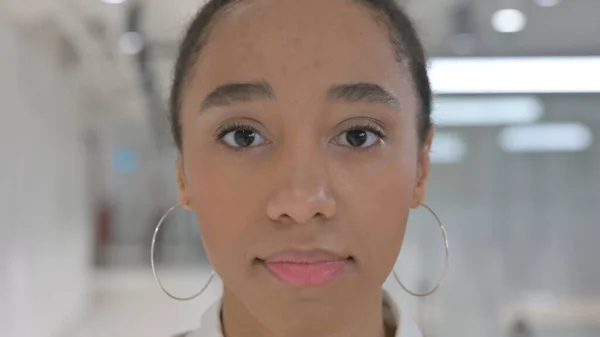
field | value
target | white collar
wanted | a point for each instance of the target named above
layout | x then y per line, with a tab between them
210	324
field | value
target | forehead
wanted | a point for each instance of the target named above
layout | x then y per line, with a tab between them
300	48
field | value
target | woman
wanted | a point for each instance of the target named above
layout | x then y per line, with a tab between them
303	130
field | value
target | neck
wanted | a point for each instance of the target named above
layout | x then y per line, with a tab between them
351	317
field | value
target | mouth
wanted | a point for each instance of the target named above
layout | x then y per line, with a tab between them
312	268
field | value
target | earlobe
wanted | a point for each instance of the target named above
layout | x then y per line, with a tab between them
183	196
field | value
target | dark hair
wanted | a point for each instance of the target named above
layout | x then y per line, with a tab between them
409	52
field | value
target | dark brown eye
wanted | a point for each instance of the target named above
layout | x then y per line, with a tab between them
360	137
357	138
241	136
244	138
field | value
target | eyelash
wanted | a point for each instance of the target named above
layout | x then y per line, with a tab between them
236	126
378	131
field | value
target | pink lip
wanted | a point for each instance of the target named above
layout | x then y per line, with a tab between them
306	268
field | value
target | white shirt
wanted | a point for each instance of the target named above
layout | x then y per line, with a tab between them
211	322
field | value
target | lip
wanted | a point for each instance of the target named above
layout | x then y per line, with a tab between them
304	256
309	268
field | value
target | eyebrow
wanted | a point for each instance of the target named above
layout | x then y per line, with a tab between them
231	93
363	92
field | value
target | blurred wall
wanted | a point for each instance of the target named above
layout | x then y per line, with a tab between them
45	226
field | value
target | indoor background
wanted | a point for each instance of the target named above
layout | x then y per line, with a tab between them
87	169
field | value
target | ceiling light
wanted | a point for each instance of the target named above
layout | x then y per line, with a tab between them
515	75
114	2
547	3
448	148
480	111
508	21
131	43
554	137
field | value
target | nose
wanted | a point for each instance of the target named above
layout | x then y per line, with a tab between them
303	193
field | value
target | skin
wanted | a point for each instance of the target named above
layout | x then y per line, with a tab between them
301	185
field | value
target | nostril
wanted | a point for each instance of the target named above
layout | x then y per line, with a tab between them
285	217
300	218
298	206
320	215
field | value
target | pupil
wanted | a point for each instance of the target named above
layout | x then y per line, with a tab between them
244	138
356	138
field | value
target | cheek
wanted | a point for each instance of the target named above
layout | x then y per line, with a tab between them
224	207
392	208
390	197
377	205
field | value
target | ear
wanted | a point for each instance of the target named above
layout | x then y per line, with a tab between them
183	195
420	191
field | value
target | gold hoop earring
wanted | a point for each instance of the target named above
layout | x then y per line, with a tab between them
446	261
210	278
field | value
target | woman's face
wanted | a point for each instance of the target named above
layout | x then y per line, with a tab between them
300	151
